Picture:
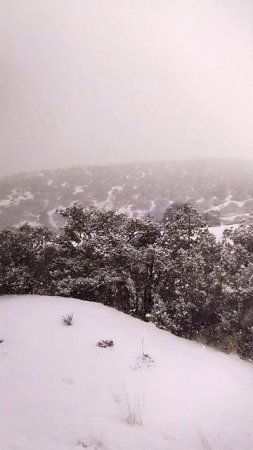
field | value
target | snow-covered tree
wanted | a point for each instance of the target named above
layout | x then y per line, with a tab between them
187	289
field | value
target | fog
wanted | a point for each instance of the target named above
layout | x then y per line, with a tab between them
111	81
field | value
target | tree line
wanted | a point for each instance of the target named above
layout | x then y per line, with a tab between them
172	272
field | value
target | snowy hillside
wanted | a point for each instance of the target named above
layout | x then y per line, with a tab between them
223	187
59	391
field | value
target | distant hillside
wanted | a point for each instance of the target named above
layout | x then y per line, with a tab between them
224	186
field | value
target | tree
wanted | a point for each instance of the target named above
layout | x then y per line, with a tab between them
236	279
187	292
21	271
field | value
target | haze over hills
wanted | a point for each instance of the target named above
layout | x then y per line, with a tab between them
60	390
224	187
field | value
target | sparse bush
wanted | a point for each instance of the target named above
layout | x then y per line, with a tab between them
92	443
132	411
145	356
68	319
105	343
144	360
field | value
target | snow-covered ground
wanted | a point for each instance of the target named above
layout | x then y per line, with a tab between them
219	230
59	391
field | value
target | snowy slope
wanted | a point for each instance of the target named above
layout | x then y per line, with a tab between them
59	391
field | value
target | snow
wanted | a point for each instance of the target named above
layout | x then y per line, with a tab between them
15	198
78	190
99	204
59	391
27	195
127	210
152	205
231	217
111	191
240	204
51	214
131	211
108	202
219	230
5	202
218	207
228	201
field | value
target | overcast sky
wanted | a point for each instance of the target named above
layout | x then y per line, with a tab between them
107	81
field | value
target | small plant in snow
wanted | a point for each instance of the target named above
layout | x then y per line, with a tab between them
68	320
144	355
132	411
91	443
105	343
144	360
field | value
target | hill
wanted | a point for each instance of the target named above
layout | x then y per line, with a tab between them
150	391
222	186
